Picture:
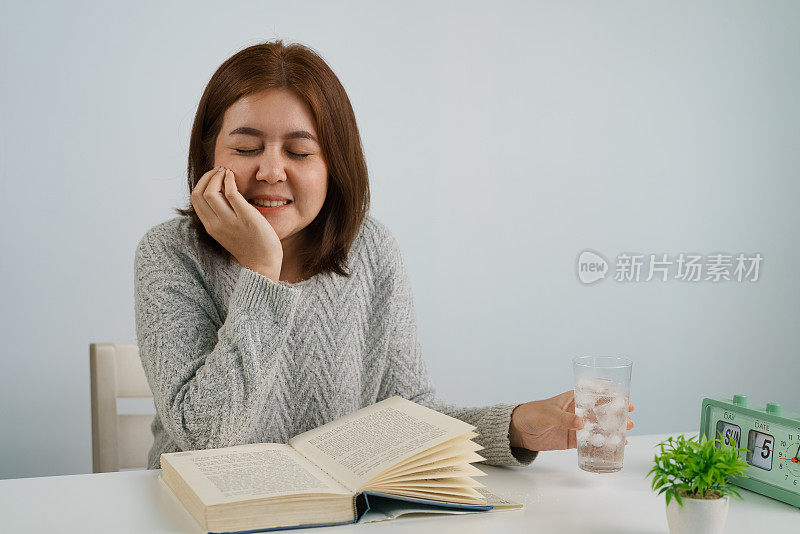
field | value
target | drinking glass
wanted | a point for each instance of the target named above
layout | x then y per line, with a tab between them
602	393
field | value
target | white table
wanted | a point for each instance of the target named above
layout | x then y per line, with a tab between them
558	497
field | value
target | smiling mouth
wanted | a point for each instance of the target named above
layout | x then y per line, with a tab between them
269	204
271	209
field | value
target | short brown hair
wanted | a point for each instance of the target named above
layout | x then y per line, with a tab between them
296	67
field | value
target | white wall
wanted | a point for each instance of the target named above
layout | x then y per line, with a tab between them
531	130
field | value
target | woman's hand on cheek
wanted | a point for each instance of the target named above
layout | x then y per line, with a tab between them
236	225
548	424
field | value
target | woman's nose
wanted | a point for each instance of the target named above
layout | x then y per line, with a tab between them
270	167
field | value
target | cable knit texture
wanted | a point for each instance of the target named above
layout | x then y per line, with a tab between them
233	357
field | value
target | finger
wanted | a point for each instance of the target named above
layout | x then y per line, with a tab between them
630	423
202	183
216	198
238	203
572	439
630	407
570	420
204	211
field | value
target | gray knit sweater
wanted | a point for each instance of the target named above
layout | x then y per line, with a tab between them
233	357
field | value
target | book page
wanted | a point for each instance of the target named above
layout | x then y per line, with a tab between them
467	470
457	482
458	440
466	446
439	459
357	447
448	496
254	471
498	502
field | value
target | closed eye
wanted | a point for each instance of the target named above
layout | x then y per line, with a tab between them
253	151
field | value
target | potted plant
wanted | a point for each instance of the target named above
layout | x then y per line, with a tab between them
695	477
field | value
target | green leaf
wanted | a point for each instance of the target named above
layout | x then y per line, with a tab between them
694	467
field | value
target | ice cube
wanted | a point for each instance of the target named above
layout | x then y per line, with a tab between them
618	404
607	423
610	422
614	440
594	386
597	440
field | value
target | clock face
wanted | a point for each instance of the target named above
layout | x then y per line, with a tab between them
789	461
770	443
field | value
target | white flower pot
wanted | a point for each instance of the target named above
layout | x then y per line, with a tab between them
698	516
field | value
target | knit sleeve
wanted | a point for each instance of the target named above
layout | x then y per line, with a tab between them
209	379
407	374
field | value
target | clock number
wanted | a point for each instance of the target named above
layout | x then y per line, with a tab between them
765	451
761	446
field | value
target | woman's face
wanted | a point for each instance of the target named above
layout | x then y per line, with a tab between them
269	140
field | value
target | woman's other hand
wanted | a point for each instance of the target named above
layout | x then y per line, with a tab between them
548	424
235	224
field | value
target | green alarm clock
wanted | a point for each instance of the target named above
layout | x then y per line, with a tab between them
772	440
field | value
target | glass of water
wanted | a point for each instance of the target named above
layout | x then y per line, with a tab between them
602	393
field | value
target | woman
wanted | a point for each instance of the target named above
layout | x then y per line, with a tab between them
259	320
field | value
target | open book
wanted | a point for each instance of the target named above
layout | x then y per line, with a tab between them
388	459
